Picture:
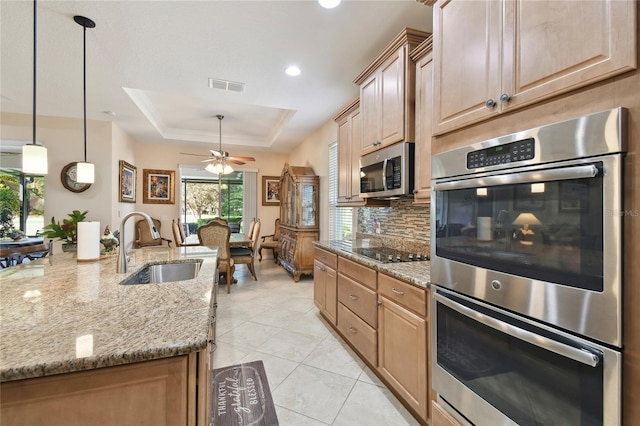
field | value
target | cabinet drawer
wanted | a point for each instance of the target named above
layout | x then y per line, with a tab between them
326	257
405	294
361	336
363	274
361	300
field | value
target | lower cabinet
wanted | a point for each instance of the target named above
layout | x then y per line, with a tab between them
325	284
386	321
439	417
402	353
158	392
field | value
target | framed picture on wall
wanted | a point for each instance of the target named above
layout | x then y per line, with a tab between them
270	190
127	186
159	186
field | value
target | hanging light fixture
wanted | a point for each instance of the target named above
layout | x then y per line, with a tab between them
85	171
220	166
34	156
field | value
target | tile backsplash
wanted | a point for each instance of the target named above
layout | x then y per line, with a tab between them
398	223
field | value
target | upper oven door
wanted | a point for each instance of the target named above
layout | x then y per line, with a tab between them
544	241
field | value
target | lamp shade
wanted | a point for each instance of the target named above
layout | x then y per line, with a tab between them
34	160
85	172
526	219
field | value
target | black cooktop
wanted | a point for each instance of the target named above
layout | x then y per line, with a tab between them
389	255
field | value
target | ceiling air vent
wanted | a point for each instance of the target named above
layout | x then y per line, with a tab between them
231	86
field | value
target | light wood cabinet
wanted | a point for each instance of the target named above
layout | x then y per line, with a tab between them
423	59
387	94
513	53
403	341
349	147
299	216
159	392
439	417
325	284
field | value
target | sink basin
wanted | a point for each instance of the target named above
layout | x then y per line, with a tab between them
164	272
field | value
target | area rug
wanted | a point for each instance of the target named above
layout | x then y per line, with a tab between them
241	396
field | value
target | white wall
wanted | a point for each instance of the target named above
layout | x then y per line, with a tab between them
64	140
314	152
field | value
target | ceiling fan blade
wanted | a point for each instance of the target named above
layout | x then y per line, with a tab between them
230	160
196	155
217	153
208	160
243	158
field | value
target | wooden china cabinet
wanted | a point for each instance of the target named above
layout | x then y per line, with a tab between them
299	192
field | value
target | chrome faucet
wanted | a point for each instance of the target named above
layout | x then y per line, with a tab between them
121	263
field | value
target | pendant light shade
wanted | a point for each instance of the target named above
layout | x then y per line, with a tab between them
34	160
85	171
34	157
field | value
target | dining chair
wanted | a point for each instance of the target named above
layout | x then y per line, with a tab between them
271	245
214	234
246	255
219	220
178	235
15	255
144	238
252	224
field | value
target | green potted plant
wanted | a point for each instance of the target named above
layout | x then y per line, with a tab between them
67	231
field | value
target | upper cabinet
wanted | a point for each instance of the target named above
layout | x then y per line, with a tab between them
495	56
423	59
387	94
349	136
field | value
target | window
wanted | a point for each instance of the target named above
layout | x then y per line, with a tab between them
203	198
340	218
21	202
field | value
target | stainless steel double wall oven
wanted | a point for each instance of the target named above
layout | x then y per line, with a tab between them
527	275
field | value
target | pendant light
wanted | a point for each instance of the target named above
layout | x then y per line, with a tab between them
85	171
34	156
221	166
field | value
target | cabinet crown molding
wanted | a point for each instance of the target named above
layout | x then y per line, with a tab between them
427	2
407	37
422	49
347	110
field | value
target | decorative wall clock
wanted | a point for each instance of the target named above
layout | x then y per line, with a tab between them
68	178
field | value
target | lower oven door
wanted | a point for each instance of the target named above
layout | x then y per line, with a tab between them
497	368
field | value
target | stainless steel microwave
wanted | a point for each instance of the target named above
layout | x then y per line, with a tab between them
388	172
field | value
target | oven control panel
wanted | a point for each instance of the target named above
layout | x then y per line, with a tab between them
502	154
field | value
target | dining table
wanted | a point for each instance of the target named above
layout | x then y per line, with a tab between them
238	239
12	252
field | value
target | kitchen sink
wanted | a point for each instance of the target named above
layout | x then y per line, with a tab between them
164	272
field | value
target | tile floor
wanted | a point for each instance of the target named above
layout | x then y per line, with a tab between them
315	378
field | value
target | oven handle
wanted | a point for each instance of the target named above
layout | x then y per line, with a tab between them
567	351
577	172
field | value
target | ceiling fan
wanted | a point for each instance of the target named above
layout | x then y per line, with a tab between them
219	159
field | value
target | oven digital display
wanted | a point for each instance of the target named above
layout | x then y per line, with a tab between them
502	154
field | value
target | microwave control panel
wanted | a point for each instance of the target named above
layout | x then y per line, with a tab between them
502	154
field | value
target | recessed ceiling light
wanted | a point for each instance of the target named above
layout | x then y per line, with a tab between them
329	4
293	70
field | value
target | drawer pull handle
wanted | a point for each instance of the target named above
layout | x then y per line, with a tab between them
398	292
353	297
353	330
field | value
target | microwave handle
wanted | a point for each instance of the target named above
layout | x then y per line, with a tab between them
576	354
578	172
384	174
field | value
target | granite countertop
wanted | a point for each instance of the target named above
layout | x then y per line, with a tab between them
58	315
416	273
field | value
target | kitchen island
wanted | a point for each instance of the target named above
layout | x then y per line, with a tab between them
73	323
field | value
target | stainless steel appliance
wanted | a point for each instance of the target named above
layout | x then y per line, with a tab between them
527	274
388	172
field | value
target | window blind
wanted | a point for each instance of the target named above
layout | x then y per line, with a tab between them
340	218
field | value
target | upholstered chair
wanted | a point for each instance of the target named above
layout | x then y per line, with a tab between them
215	234
244	255
144	237
271	245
